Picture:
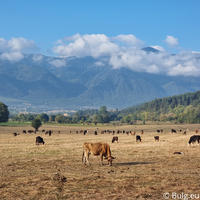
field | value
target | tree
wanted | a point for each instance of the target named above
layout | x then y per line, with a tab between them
44	117
36	123
4	113
103	110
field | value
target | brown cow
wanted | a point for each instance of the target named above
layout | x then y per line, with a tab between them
142	132
99	148
133	133
156	138
115	138
197	131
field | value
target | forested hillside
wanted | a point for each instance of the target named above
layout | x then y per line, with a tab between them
180	108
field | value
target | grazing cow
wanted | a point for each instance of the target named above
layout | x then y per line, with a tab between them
158	131
99	148
133	133
138	138
50	132
115	138
39	140
30	131
76	132
43	130
24	131
47	132
193	139
161	130
70	131
123	131
156	138
95	132
85	131
173	131
102	132
142	132
81	131
59	132
197	131
184	133
15	134
113	132
127	132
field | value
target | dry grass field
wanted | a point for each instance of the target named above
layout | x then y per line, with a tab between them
141	170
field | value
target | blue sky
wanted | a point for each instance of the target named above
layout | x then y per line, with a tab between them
57	27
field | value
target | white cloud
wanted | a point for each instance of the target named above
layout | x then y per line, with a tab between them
99	63
12	49
58	62
37	57
12	56
159	48
21	44
172	41
130	40
125	51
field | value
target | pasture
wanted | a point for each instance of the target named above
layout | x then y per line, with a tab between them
141	170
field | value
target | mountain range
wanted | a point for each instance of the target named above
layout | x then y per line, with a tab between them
74	83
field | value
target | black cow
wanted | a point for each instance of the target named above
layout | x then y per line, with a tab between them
156	138
115	138
95	132
43	130
24	131
173	131
30	131
138	138
39	140
85	131
193	139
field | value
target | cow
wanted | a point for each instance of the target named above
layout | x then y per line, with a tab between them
184	133
95	132
85	131
193	139
43	130
138	138
133	133
76	132
50	132
24	131
47	132
70	131
158	131
156	138
59	132
161	130
115	138
127	132
197	131
102	132
173	131
142	132
30	131
81	131
15	134
96	149
39	140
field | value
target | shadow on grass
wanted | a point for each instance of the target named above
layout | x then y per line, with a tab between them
132	163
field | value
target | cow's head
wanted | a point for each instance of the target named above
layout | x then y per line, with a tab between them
110	159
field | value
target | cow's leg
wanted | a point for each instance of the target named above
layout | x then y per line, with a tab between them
87	157
101	160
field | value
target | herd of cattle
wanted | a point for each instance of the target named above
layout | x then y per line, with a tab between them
103	149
